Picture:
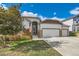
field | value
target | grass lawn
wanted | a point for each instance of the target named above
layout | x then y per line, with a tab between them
28	48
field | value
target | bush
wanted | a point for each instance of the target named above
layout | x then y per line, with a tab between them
72	34
14	37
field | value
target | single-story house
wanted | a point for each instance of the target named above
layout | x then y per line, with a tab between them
73	23
46	28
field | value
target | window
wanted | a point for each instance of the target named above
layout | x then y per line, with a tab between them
76	20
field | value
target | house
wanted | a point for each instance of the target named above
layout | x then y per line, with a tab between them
46	28
73	23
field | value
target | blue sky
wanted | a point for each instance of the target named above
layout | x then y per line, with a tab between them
49	10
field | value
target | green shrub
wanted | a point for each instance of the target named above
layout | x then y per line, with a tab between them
72	34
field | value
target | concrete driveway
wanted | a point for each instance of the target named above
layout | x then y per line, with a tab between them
67	46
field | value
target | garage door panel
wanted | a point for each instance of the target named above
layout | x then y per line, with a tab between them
64	33
50	33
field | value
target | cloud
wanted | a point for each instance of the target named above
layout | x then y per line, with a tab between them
26	13
42	18
3	6
75	11
60	19
53	18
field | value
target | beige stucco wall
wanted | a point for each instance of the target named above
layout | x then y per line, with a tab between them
50	26
25	24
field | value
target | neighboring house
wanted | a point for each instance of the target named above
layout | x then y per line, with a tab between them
46	28
73	23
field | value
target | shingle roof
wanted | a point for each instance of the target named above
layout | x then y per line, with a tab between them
50	21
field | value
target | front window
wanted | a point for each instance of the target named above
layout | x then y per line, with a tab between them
76	20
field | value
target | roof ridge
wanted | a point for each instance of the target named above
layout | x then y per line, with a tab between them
52	21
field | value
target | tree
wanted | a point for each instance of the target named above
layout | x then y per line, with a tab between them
10	20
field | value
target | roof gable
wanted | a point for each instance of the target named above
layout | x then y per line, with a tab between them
31	17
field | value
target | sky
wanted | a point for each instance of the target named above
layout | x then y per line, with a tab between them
58	11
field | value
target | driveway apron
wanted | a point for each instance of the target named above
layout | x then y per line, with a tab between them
67	46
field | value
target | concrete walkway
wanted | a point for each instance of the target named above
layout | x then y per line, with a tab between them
67	46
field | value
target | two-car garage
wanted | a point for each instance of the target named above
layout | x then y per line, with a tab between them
53	28
46	33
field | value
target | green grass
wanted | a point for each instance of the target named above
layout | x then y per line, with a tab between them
28	48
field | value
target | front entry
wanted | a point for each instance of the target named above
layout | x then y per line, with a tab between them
34	28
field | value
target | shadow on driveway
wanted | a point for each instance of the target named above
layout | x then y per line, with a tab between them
57	43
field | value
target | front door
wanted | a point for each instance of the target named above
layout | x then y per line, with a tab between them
34	28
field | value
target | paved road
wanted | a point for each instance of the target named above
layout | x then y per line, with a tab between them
67	46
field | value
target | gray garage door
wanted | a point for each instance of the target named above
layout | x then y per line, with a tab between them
50	33
64	33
